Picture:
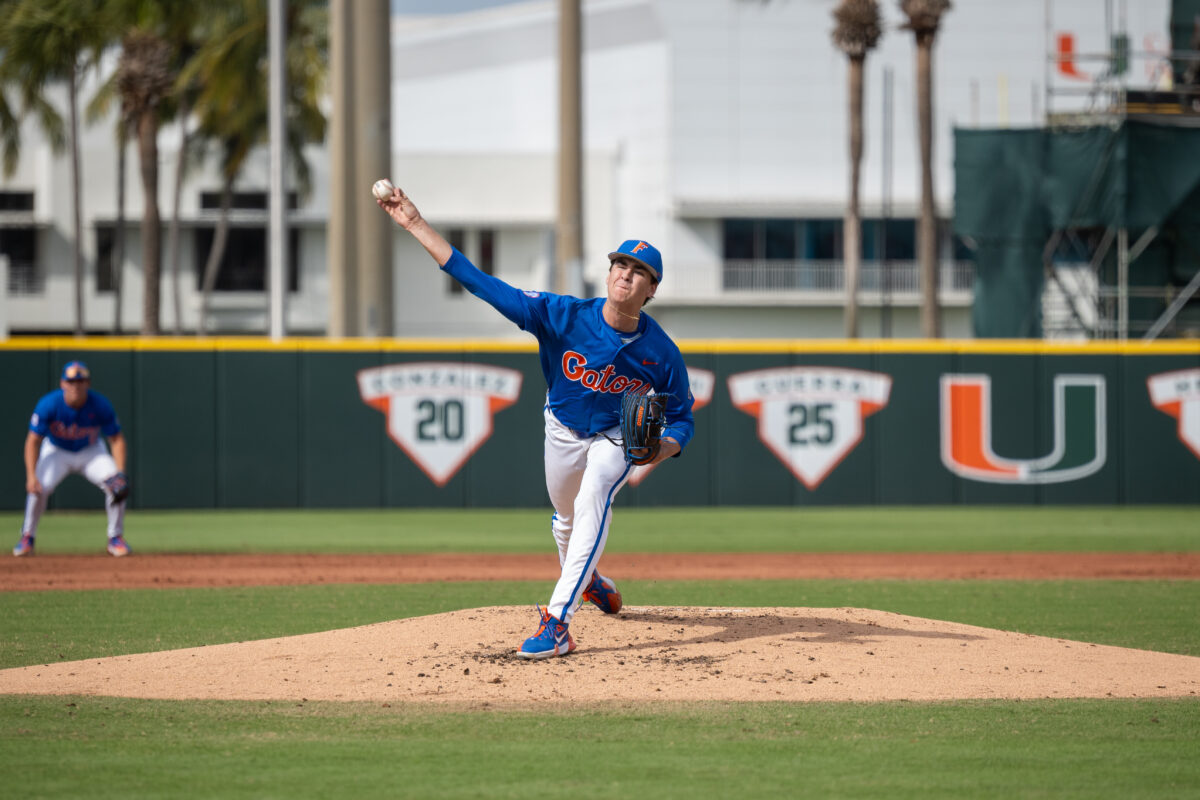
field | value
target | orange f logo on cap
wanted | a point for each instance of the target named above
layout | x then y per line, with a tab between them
640	246
76	371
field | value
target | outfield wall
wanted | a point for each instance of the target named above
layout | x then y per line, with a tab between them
244	423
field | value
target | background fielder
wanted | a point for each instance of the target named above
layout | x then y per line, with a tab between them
592	352
66	435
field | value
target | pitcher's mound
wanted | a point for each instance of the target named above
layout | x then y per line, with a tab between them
644	654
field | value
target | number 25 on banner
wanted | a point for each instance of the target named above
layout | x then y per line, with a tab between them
810	417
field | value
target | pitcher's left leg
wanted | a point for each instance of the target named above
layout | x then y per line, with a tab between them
606	473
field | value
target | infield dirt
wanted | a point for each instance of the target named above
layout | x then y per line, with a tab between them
645	654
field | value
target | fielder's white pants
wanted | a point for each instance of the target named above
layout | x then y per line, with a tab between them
583	475
54	464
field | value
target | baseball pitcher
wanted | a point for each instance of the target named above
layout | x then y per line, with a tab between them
601	358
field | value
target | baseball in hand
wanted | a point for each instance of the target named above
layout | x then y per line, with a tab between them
383	189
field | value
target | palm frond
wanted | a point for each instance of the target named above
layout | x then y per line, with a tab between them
858	27
924	16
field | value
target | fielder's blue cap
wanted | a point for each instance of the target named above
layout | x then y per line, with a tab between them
76	371
642	252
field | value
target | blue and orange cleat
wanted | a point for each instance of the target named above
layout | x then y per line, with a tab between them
552	639
117	546
603	594
25	546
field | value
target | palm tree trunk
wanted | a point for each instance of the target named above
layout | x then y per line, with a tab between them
215	254
76	198
927	227
852	223
118	251
173	228
147	128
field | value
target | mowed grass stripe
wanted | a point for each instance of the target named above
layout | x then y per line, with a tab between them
637	530
117	747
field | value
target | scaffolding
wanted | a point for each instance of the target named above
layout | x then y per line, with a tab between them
1083	296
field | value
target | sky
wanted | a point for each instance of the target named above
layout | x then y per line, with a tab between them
444	6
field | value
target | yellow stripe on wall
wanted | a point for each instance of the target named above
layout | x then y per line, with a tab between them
691	346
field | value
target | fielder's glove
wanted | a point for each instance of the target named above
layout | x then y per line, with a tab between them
642	418
118	485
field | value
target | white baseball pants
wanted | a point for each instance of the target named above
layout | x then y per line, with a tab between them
54	464
583	476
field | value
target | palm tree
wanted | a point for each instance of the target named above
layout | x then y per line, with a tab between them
924	18
856	31
97	109
44	42
118	251
173	238
144	79
232	105
176	27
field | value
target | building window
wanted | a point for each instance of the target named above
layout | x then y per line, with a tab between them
105	241
484	257
822	239
19	244
243	201
244	264
807	254
816	239
896	239
16	201
739	239
18	241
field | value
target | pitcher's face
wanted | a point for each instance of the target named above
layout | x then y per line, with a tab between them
629	280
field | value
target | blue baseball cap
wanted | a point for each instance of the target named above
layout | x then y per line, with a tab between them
644	253
76	371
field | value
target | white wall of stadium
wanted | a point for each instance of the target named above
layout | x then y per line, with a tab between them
714	128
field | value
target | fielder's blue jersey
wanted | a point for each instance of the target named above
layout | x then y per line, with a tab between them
74	428
588	364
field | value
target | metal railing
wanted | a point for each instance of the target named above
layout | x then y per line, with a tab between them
25	278
896	277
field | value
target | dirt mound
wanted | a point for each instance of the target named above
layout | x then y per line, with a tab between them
644	654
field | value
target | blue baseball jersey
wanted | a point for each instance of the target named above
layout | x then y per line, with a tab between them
74	428
587	363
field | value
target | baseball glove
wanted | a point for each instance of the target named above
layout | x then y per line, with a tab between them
641	426
118	485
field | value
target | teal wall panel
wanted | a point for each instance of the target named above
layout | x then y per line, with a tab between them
507	468
241	426
905	433
341	438
258	429
1157	465
27	376
172	431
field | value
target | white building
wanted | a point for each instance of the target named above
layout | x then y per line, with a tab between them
715	129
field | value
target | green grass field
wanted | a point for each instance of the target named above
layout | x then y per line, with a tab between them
691	530
70	746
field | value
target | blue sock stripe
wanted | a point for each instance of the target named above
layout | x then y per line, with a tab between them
588	568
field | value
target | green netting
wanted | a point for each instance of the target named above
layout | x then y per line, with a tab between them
1014	187
1183	20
